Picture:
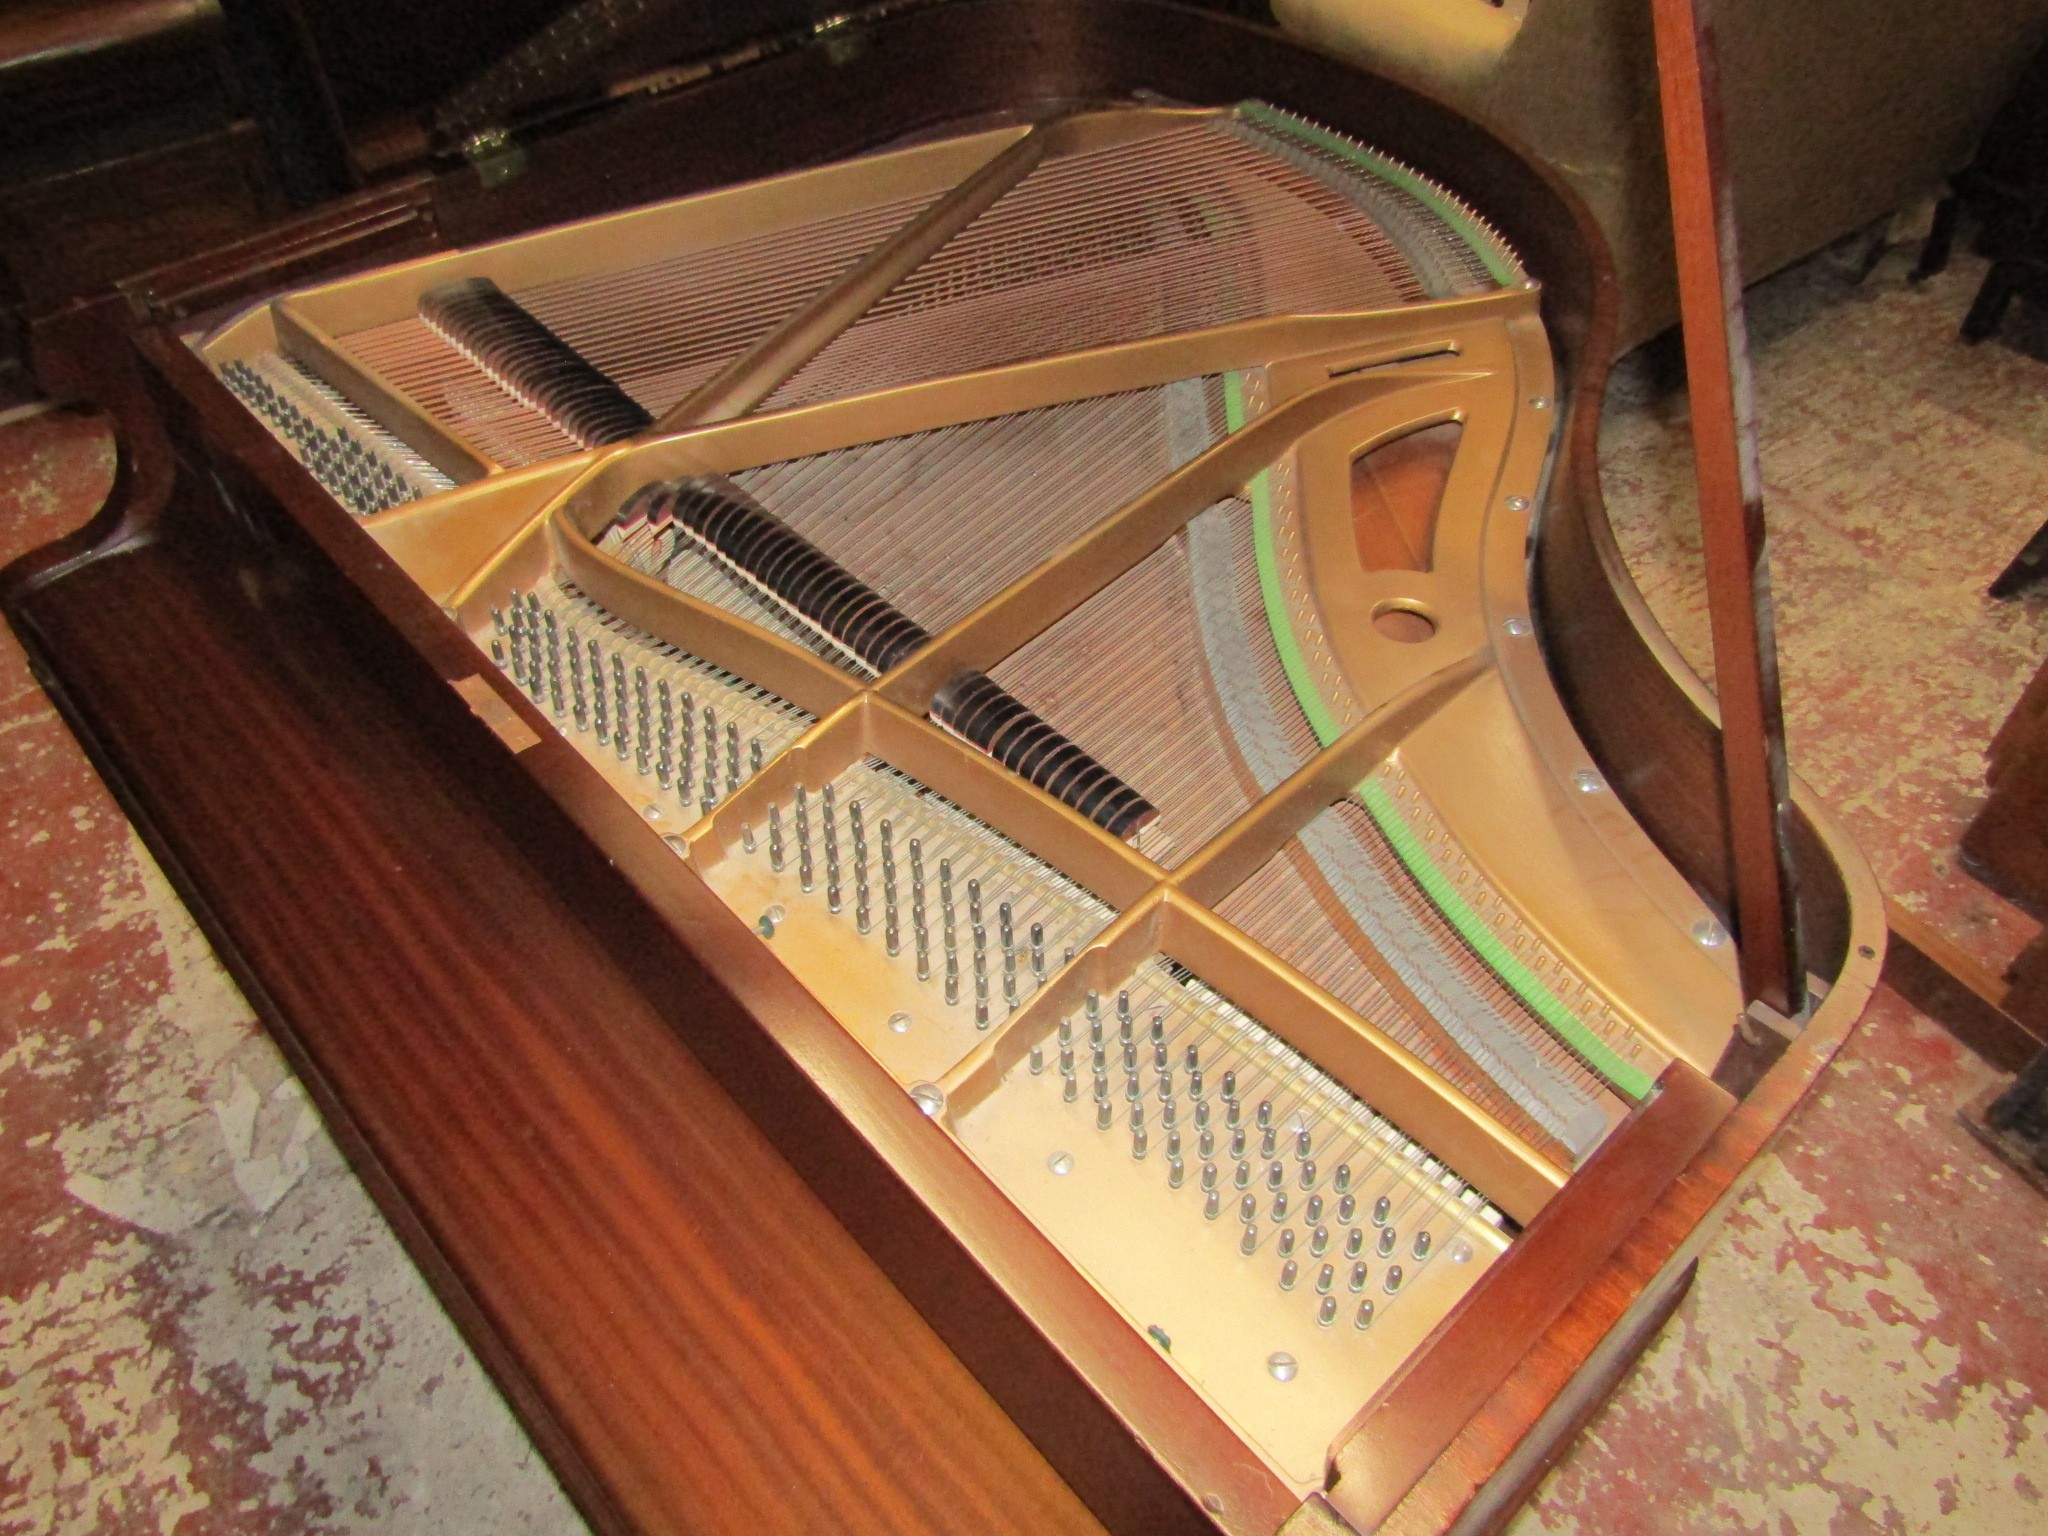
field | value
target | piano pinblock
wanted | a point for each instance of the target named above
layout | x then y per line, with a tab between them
920	928
673	734
1251	1267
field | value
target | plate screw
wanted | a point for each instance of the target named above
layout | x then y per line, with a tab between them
1517	625
930	1098
1709	934
1587	782
899	1023
1518	503
1281	1365
1061	1163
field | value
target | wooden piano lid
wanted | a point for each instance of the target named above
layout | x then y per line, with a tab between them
464	67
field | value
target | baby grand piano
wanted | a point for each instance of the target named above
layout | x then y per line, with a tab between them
935	752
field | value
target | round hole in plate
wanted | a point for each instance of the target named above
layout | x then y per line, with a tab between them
1407	623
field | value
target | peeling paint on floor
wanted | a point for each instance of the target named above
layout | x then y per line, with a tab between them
1902	470
205	1325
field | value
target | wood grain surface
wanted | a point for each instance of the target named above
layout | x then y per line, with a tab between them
1722	399
693	1340
1417	1415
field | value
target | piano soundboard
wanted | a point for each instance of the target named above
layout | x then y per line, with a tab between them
1064	587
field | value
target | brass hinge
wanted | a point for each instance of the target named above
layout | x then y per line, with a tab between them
497	156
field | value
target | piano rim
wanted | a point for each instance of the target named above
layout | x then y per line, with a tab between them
1647	1264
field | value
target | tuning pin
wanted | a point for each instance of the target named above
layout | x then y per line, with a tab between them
805	875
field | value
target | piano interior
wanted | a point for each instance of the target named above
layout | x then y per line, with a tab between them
1065	587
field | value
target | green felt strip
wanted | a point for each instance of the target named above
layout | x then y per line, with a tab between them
1416	186
1320	720
1514	975
1408	848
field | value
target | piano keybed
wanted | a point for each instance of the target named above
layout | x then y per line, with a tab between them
1030	708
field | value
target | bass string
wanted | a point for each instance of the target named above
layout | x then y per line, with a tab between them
685	315
1181	230
1123	676
1277	908
942	521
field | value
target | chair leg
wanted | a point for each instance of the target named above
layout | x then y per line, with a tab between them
2000	283
1941	240
2021	1112
2028	566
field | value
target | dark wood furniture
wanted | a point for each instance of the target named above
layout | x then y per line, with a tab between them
2006	845
2005	189
711	1255
126	140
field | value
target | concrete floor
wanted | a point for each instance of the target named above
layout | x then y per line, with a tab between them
206	1328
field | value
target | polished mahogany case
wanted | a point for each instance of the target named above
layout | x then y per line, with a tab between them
731	1275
